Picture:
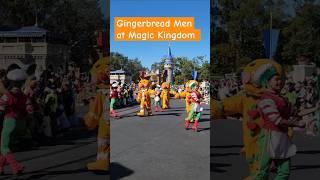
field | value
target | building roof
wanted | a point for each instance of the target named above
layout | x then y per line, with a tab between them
27	31
169	58
118	72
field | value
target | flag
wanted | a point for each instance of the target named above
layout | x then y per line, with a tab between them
270	41
194	75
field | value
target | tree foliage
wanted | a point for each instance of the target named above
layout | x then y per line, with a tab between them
130	66
75	22
238	39
184	66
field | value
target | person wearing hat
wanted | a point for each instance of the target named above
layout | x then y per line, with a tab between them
2	81
50	108
14	104
245	104
144	96
2	91
195	110
157	102
113	95
274	142
186	94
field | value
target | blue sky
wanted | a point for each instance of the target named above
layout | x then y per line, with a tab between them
150	52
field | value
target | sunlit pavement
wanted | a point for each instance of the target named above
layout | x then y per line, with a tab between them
158	146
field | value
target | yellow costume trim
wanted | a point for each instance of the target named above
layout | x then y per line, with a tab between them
144	97
165	95
241	104
97	117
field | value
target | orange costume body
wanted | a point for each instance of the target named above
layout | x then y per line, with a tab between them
97	116
144	97
165	95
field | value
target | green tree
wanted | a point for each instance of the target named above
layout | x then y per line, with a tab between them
70	20
183	68
302	35
178	79
130	66
204	71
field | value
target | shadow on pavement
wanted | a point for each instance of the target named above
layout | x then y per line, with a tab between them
302	167
127	115
204	120
168	114
229	146
308	152
224	154
216	167
118	171
173	110
203	129
54	173
44	172
67	138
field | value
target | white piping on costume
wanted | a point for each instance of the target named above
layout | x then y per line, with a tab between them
101	156
258	73
102	142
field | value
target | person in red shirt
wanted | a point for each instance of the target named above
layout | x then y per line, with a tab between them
274	141
14	105
113	95
196	109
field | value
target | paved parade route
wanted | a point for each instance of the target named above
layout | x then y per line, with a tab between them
65	159
227	163
158	147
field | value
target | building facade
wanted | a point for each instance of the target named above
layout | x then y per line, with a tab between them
119	76
32	44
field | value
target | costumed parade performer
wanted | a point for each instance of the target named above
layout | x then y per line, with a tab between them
195	109
2	91
113	95
275	145
165	95
186	94
157	102
245	104
14	104
97	116
144	96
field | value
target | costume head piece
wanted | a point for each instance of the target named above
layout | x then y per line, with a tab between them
17	75
192	84
253	72
265	75
115	84
165	85
99	73
144	82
